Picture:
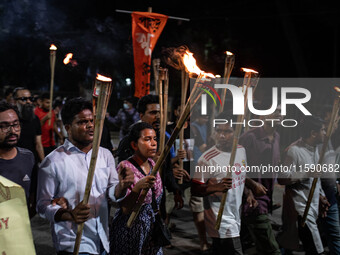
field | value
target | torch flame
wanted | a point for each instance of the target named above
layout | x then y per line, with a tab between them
247	70
229	53
68	58
337	89
53	47
103	78
190	64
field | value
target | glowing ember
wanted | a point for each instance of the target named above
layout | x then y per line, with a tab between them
103	78
53	47
247	70
190	64
229	53
68	58
337	89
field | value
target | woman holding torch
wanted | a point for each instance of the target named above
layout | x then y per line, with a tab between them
143	140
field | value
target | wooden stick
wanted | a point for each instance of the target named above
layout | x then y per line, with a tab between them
237	133
53	51
184	88
161	105
170	17
165	98
164	120
99	117
228	68
335	111
156	63
187	110
247	114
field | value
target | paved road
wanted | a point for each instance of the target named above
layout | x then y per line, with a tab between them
185	239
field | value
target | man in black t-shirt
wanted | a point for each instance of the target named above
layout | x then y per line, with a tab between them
16	163
30	137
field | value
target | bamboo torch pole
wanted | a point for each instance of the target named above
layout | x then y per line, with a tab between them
53	51
247	112
155	64
228	68
164	120
195	95
165	99
184	88
237	132
332	121
101	95
161	105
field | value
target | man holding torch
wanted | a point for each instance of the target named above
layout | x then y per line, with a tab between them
262	146
61	182
301	157
211	184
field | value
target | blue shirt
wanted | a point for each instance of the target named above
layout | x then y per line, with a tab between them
63	173
172	149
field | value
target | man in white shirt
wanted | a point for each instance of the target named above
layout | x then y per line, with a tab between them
210	181
302	156
63	175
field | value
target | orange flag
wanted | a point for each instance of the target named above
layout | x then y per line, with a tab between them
146	28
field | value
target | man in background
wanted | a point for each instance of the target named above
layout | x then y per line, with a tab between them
30	137
47	129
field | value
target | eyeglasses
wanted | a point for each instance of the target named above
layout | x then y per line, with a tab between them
5	127
24	99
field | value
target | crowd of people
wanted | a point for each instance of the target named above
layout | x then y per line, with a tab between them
54	178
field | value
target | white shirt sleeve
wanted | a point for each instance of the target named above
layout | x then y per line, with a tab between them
113	180
47	184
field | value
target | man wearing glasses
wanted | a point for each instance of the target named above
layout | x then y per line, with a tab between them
30	137
16	163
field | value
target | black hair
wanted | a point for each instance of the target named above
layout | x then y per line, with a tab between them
58	102
136	129
226	115
8	91
72	107
15	91
145	100
4	106
45	95
309	124
176	103
130	100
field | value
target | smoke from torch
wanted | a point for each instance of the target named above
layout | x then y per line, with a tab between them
181	58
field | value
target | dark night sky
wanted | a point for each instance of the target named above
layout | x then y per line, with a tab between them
277	38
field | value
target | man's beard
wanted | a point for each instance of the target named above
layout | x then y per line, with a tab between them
6	145
26	112
156	125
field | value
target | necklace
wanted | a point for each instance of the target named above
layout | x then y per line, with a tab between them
7	195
